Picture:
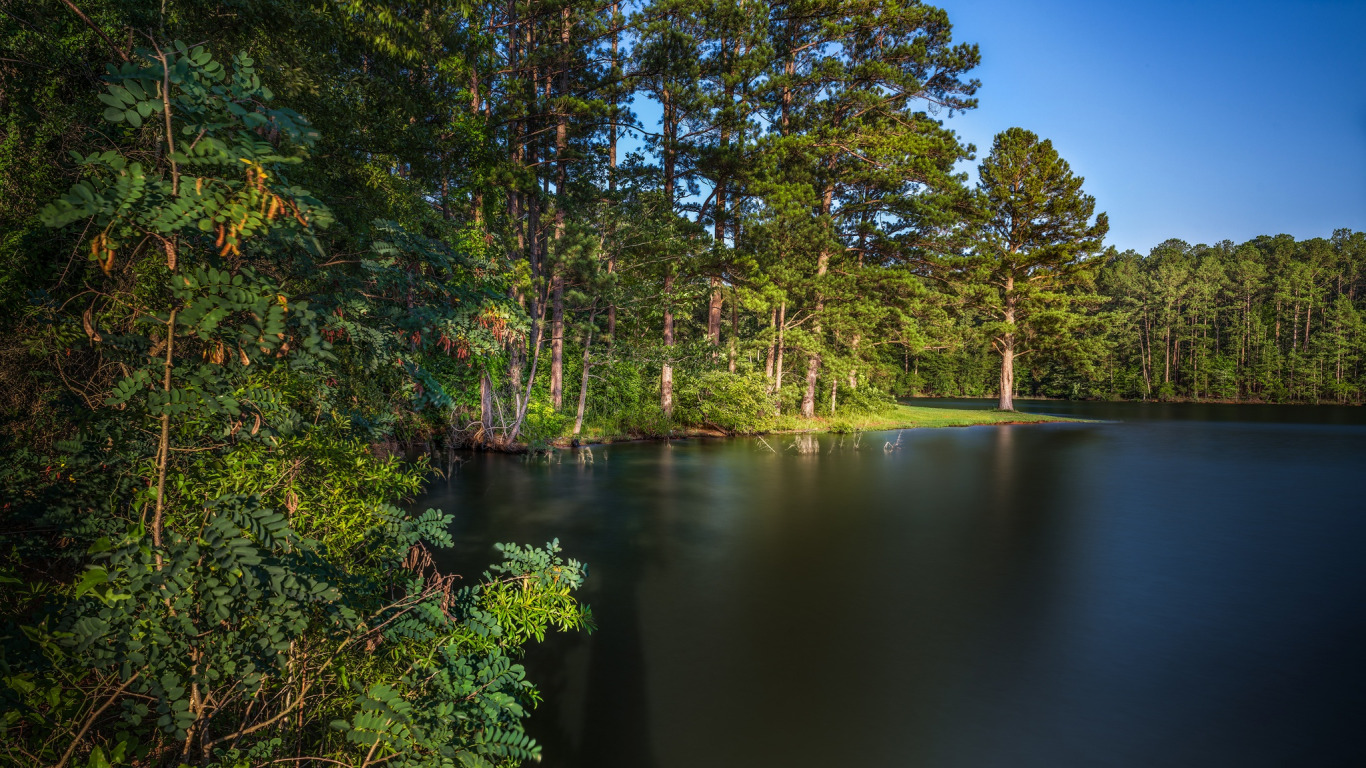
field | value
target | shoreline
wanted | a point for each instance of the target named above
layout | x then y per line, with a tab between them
899	417
1150	401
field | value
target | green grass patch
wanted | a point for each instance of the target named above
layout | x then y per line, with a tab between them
912	416
896	417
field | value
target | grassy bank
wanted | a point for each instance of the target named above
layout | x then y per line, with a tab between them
898	417
912	416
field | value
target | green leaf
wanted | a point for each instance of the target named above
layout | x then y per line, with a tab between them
133	118
114	115
93	577
97	758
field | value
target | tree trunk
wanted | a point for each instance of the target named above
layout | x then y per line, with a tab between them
666	375
778	365
714	302
562	193
719	219
1006	397
557	337
813	369
583	380
1006	401
813	362
485	408
853	370
772	343
734	332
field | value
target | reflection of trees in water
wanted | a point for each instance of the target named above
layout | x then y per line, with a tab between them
964	519
616	706
606	722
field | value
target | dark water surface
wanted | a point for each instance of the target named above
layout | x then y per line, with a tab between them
1183	585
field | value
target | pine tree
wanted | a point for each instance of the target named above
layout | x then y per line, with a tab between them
1031	256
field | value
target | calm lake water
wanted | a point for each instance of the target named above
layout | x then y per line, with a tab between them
1182	585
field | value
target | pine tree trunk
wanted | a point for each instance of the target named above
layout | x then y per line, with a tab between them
1006	398
778	365
772	343
813	361
666	374
583	379
612	174
734	333
562	193
714	302
813	368
557	338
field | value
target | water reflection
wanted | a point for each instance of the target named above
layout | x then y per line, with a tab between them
1153	592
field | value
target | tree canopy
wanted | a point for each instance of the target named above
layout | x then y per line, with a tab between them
265	266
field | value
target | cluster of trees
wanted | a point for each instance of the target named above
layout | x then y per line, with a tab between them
216	322
1272	320
248	249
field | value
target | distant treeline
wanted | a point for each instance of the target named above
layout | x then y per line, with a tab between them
1272	319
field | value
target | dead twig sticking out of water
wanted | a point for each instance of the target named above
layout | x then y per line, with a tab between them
889	446
766	445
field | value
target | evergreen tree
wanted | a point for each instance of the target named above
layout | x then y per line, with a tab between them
1030	260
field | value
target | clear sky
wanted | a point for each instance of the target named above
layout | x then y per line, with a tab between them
1203	121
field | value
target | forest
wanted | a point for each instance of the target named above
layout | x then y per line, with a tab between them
260	262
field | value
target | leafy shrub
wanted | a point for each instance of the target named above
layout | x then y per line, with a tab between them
863	401
543	423
732	403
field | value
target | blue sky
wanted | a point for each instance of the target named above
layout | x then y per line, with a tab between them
1198	120
1202	121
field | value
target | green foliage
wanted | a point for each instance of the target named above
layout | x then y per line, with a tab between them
1201	322
209	548
1027	274
727	402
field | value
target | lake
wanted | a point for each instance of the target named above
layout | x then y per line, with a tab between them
1180	585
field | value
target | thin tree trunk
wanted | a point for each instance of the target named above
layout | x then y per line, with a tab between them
853	370
562	193
612	175
714	302
772	343
813	361
666	374
164	452
778	365
587	366
1006	397
557	336
734	331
